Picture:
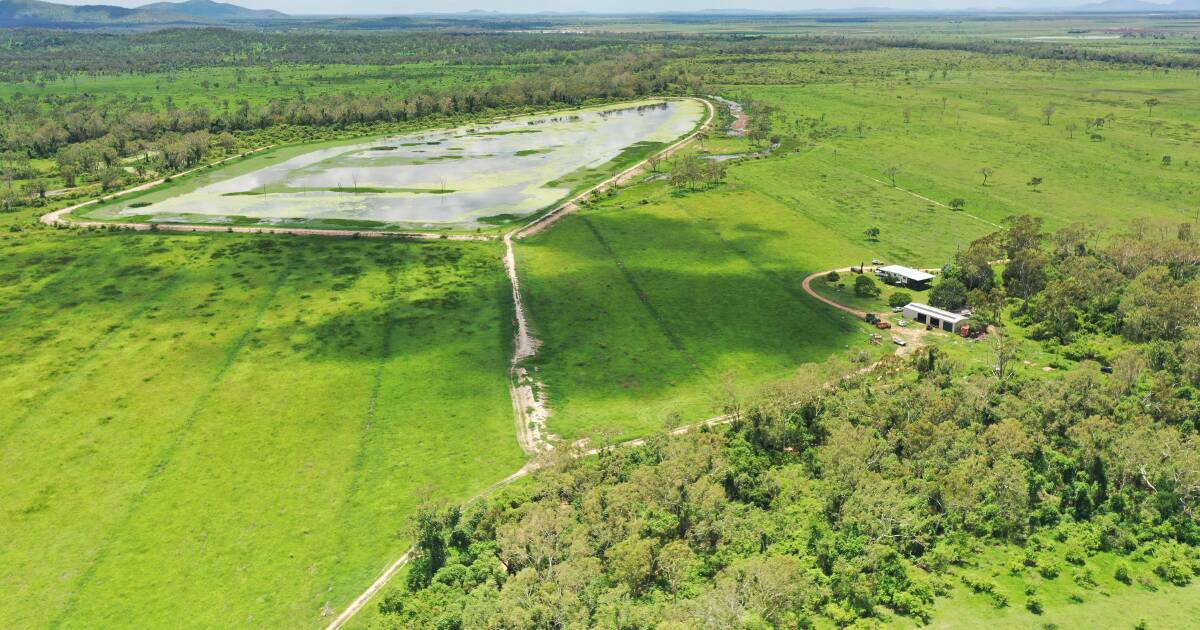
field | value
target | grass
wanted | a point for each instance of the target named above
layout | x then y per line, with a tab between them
649	301
232	429
1068	605
648	311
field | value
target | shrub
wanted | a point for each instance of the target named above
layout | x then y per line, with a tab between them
832	276
1075	556
1035	605
899	298
1122	574
1085	577
1175	571
1049	569
864	286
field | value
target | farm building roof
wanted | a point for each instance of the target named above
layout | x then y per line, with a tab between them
945	316
916	275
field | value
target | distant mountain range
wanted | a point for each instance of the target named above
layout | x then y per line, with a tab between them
1139	6
34	13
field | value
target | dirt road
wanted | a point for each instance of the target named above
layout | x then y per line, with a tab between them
529	408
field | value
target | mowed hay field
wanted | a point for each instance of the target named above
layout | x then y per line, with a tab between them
227	430
654	304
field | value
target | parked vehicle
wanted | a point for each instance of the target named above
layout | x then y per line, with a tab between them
882	325
871	318
903	323
899	342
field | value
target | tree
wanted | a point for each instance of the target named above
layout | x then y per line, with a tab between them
864	286
714	172
654	161
891	172
1071	129
426	531
1048	111
676	563
1151	103
987	173
973	266
958	204
631	562
1025	274
1034	182
686	171
1004	357
68	172
1157	306
1020	232
39	188
899	298
872	233
949	293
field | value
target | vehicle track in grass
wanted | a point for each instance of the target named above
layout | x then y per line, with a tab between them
164	459
94	349
529	409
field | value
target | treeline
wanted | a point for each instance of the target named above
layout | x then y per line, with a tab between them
1077	287
28	55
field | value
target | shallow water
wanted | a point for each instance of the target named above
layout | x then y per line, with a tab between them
450	177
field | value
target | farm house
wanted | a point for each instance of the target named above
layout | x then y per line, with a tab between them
905	276
936	317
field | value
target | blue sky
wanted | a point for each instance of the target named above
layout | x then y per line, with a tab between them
595	6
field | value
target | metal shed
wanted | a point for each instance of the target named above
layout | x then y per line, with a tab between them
936	317
905	276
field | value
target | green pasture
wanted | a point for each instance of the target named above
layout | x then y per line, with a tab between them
1070	601
650	301
650	313
960	125
228	431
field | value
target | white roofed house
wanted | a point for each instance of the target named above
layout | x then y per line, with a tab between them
905	276
935	317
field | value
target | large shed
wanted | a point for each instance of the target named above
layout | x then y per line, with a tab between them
905	276
936	317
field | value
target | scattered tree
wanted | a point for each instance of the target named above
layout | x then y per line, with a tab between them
987	173
1048	111
891	172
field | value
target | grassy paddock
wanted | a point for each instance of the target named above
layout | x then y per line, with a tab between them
233	429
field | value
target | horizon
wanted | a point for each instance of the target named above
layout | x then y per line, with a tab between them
626	7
